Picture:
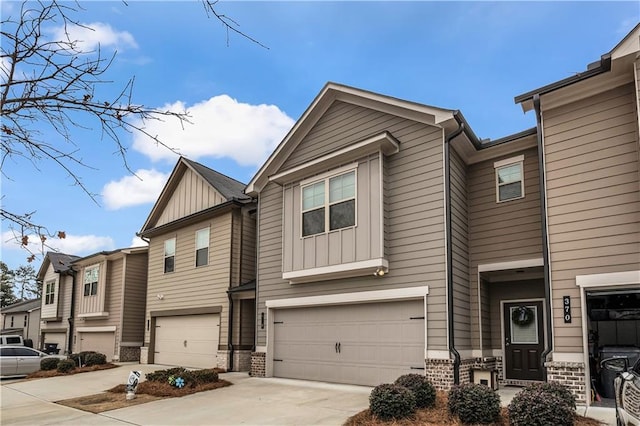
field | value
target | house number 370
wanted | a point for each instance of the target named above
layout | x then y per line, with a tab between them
566	304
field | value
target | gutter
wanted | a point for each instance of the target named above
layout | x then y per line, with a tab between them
447	202
545	235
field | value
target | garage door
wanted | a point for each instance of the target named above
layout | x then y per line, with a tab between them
187	341
103	342
59	338
364	344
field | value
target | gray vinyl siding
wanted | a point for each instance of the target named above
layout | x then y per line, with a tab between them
189	286
135	294
414	214
248	255
191	195
460	262
593	192
500	232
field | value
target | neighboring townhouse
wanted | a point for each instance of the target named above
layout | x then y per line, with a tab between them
56	313
109	303
588	125
23	319
392	240
201	287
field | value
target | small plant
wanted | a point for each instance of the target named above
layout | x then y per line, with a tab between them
421	387
49	364
537	407
95	358
558	389
190	378
207	375
390	401
474	403
66	365
163	375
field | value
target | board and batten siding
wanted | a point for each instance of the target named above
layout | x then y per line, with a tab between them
593	193
55	309
189	286
191	195
135	294
414	214
500	232
460	250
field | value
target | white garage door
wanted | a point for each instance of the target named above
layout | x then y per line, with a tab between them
364	344
59	338
103	342
187	341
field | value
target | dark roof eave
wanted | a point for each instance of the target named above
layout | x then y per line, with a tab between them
510	138
605	66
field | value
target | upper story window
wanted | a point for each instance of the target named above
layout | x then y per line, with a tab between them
25	320
91	280
49	292
11	321
329	204
169	255
509	178
202	247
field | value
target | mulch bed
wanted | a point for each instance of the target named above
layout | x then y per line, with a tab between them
54	373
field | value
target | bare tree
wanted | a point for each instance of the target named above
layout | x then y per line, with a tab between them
51	88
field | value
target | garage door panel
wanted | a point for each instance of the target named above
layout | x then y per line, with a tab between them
102	342
187	341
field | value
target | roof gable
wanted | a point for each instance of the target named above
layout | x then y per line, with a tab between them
60	262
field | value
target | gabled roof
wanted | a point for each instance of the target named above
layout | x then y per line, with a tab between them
61	263
333	92
229	188
24	306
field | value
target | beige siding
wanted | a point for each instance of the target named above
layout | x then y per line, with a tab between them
135	294
591	156
190	287
414	214
191	195
52	310
248	256
96	303
460	261
500	232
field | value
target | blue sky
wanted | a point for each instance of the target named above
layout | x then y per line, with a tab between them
471	56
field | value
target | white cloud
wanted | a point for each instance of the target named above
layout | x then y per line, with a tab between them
138	242
143	188
222	127
79	245
90	36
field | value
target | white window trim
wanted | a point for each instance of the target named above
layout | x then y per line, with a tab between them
50	284
326	177
96	265
195	261
504	163
164	254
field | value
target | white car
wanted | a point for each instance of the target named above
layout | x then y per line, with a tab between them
21	361
627	387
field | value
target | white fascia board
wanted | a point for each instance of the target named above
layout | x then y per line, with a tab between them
342	270
610	279
106	328
516	264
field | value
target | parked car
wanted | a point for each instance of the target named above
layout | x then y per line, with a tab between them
11	340
627	392
18	360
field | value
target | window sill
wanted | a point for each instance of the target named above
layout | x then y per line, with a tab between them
344	270
94	315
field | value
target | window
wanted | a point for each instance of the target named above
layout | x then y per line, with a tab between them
25	321
332	209
91	280
50	293
11	321
169	255
202	247
509	179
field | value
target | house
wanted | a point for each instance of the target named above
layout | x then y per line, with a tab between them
201	287
22	318
109	303
391	239
56	312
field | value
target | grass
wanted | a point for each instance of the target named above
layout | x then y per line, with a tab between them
438	415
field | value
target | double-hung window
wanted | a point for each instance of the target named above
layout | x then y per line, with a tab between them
169	255
509	179
91	276
329	204
202	247
50	292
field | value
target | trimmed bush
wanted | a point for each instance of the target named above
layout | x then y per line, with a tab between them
49	364
421	387
390	401
191	378
474	403
558	389
536	407
205	376
81	358
66	365
94	358
163	375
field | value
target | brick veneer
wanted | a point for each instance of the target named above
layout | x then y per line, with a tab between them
258	364
242	361
129	353
570	374
144	355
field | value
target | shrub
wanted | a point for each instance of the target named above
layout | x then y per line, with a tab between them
389	401
94	358
422	389
474	403
163	375
558	389
191	378
205	376
536	407
49	364
66	365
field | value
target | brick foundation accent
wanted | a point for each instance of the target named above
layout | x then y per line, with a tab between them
570	374
129	353
440	371
223	360
144	355
258	364
242	361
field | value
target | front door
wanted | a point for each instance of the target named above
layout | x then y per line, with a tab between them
523	340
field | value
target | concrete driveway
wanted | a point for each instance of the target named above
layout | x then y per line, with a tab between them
250	401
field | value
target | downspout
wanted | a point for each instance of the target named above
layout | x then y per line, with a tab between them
72	310
230	330
230	322
545	235
447	203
